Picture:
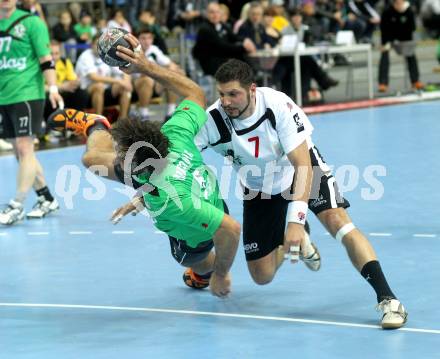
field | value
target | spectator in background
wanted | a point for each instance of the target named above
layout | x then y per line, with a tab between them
145	86
364	19
310	69
84	29
271	32
226	19
280	20
105	85
64	33
118	20
430	12
216	44
67	82
398	25
188	14
34	7
147	19
254	29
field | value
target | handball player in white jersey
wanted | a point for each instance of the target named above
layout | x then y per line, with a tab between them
268	139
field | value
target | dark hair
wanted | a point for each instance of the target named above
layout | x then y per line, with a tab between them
235	70
128	131
144	29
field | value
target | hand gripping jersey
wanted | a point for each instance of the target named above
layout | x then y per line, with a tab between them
258	145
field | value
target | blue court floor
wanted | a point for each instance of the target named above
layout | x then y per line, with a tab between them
75	286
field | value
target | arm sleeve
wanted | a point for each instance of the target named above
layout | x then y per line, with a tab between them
293	126
39	36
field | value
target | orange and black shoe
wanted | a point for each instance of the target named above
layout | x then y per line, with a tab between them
76	121
194	280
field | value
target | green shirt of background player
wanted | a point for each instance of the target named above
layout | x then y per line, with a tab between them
25	63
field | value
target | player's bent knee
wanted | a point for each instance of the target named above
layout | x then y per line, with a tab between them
261	275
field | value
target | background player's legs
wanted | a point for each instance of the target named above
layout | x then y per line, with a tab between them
28	166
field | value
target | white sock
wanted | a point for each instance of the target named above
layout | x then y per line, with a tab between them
144	112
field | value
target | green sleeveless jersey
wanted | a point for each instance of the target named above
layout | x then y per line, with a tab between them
21	78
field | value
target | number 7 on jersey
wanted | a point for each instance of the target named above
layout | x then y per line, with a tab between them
255	139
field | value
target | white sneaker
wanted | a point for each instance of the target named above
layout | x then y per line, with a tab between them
313	259
5	146
13	213
42	207
394	314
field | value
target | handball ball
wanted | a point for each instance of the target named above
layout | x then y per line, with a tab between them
107	44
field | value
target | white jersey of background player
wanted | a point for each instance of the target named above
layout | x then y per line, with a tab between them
259	126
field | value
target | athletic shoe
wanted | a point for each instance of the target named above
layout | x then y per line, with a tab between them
418	85
394	314
5	146
383	88
13	213
313	260
43	207
75	121
193	280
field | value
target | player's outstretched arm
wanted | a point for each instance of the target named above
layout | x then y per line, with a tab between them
171	80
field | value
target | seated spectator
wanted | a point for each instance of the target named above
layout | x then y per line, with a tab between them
397	25
64	33
147	19
118	20
106	85
362	19
310	69
67	82
226	16
188	14
216	43
145	86
430	12
34	7
271	32
84	29
254	29
280	20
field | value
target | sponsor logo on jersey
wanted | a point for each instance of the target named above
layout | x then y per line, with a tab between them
299	123
236	160
19	31
183	165
18	64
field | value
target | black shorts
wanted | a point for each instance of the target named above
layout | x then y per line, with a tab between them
188	256
21	119
264	220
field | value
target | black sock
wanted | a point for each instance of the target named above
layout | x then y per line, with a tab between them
204	276
45	193
372	272
96	126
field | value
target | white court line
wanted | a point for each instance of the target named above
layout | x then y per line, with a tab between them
374	234
213	314
3	234
159	232
424	235
37	233
80	232
122	232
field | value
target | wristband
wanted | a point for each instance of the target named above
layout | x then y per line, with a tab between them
53	89
297	212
